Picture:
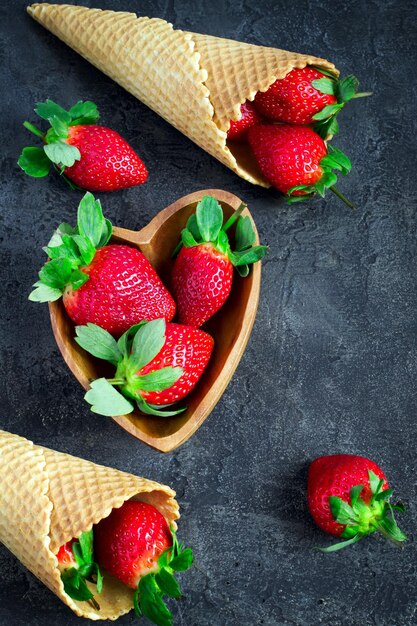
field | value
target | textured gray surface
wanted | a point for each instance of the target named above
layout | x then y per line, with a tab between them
331	364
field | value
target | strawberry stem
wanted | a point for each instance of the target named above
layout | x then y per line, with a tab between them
94	604
342	197
362	94
33	129
232	219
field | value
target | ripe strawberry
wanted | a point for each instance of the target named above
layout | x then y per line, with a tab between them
348	496
296	161
135	544
93	157
76	564
306	96
156	364
203	270
248	117
113	286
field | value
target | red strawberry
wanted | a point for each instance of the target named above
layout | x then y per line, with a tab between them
135	544
122	289
203	270
296	161
129	542
348	496
293	99
65	555
113	286
248	117
306	96
76	564
94	157
156	364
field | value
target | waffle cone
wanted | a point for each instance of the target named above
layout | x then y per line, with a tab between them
47	498
195	82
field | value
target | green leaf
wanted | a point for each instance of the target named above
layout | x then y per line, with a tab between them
44	293
90	219
75	586
59	127
245	235
151	603
384	496
183	561
355	492
34	162
150	409
390	529
49	109
344	162
187	238
62	153
85	248
136	604
106	233
86	543
77	279
342	544
167	583
342	512
84	113
77	552
249	256
160	379
328	179
327	111
98	342
147	343
192	226
209	215
99	579
243	270
105	400
347	88
374	481
325	85
56	273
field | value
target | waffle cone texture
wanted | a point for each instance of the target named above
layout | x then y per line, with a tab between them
48	498
195	82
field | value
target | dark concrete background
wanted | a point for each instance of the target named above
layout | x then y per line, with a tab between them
331	364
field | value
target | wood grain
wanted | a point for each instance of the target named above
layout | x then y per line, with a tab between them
230	327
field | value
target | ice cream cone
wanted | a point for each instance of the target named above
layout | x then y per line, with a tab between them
195	82
48	498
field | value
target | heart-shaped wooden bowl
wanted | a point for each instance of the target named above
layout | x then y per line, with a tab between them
230	327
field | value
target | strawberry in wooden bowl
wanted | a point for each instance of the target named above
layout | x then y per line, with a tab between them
192	367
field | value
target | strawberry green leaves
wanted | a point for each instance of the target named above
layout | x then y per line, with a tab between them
37	162
335	159
205	226
85	568
362	518
344	90
148	600
70	249
136	348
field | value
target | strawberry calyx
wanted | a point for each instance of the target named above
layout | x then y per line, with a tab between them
361	518
344	90
70	249
335	159
148	599
56	151
205	226
84	569
137	347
